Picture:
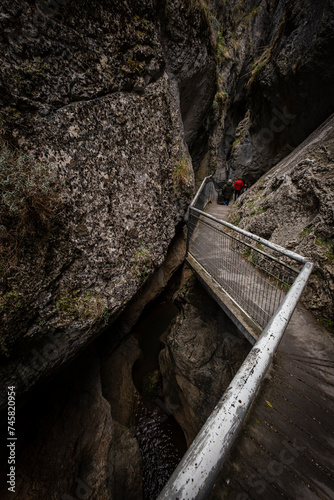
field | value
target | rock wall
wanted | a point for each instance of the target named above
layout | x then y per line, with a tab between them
70	446
101	95
203	352
293	205
275	64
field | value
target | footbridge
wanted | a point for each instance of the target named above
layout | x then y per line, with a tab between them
271	434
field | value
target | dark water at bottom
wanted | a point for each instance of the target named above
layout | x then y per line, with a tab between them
161	439
162	445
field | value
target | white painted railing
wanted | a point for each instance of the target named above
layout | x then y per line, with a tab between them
197	471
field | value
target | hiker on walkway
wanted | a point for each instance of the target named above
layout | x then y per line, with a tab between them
245	187
238	185
227	192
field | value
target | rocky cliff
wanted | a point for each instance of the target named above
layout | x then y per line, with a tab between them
293	205
275	65
203	352
107	114
70	446
97	101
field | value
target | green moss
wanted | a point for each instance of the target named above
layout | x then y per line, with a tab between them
327	323
221	48
251	14
247	253
35	69
257	211
236	142
10	301
259	65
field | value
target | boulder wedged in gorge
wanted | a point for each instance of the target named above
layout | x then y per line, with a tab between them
86	91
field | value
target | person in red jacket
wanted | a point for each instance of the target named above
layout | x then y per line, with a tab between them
238	185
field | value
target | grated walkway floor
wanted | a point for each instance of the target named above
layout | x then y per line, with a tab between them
286	447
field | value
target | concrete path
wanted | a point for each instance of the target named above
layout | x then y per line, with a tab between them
286	447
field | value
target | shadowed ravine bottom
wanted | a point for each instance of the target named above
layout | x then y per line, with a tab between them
161	439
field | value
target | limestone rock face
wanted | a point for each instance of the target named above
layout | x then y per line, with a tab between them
293	205
202	354
100	93
276	67
191	61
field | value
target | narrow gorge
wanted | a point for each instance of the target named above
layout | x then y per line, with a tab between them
111	115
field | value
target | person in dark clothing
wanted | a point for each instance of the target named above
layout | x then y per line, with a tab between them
227	192
238	185
245	187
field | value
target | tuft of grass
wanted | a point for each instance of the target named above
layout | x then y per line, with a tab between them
181	175
75	303
142	262
258	66
257	211
236	142
29	200
306	231
221	49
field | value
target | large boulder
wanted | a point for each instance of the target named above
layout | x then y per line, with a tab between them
85	92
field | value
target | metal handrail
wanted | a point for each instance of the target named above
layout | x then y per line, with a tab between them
269	244
198	469
253	277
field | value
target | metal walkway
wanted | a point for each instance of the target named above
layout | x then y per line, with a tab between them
286	446
283	445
